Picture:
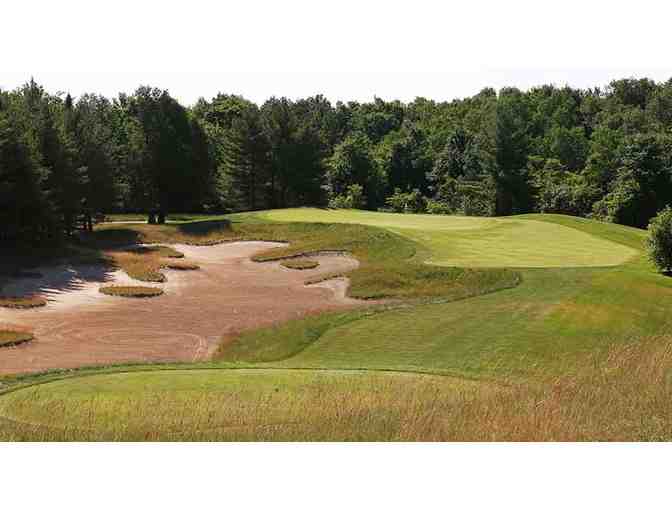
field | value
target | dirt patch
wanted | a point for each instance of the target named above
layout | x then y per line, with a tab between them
231	293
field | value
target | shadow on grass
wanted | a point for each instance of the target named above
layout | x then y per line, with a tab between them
112	238
204	228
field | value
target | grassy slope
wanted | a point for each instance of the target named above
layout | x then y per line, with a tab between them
478	242
550	323
553	317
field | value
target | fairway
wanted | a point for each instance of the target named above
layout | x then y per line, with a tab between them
474	241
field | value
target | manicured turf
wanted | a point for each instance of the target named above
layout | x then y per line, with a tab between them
522	241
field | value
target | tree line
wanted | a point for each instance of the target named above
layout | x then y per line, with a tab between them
603	153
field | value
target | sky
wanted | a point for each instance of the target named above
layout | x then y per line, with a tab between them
346	50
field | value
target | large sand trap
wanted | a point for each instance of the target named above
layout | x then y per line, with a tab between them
230	293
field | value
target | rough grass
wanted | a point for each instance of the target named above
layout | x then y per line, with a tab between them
300	264
131	291
181	266
10	338
21	302
521	241
621	396
144	263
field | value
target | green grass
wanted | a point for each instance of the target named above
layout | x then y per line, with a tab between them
555	315
576	352
523	241
175	217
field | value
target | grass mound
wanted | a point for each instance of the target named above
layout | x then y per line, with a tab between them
11	338
300	264
181	266
22	302
131	291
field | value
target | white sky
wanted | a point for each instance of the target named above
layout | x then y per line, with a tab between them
347	50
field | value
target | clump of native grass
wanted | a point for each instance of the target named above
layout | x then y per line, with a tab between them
22	302
135	291
144	263
300	264
10	338
181	266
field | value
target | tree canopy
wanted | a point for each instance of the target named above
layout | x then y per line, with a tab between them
603	153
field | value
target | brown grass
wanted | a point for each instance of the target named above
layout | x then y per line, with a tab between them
300	264
144	263
22	302
10	338
624	395
131	291
181	266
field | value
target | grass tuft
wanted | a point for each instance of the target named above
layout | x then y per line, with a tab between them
22	302
300	264
9	338
181	266
131	291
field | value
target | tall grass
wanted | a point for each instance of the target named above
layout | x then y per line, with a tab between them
623	396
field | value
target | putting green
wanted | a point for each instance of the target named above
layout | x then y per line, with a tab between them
478	242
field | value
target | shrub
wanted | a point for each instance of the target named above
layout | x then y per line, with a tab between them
300	264
10	338
131	291
353	198
659	241
409	202
437	207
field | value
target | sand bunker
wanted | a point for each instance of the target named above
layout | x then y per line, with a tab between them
230	293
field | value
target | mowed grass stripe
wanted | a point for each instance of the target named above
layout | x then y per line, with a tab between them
522	241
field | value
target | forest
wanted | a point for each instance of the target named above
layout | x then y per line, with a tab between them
603	153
